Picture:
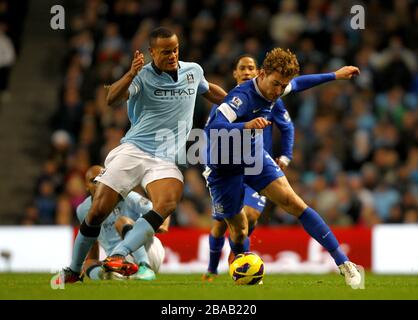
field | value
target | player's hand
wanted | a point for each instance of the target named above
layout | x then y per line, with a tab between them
137	63
257	123
346	73
283	162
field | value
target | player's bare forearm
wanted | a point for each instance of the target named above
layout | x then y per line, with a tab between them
215	94
118	91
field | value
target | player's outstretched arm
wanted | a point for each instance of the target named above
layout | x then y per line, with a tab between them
308	81
118	91
215	94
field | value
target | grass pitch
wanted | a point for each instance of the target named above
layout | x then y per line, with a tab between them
190	287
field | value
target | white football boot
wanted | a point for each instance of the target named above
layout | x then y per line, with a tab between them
351	274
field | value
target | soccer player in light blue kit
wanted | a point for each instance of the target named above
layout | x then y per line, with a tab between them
249	106
160	99
114	229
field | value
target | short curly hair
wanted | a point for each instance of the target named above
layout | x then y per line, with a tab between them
282	61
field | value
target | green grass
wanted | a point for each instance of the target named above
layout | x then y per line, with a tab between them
190	287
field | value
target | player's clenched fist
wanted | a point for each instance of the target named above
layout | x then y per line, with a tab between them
137	63
257	123
346	73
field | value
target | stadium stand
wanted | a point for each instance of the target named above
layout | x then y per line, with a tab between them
356	150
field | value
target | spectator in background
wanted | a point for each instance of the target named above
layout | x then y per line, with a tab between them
7	59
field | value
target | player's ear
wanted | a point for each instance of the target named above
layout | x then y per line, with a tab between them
151	51
234	74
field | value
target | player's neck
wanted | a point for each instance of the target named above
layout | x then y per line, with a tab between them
172	74
259	89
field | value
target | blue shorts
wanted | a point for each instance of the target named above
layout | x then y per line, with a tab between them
228	190
253	199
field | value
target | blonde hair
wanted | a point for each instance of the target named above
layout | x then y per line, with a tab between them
282	61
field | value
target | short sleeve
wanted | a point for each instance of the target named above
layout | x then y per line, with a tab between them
203	86
235	105
135	87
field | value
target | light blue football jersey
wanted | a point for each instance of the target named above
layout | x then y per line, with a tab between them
133	206
161	110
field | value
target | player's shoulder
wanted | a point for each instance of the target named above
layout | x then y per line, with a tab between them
189	66
240	94
279	105
146	71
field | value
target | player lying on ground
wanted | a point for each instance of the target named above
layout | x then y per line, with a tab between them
249	106
245	69
160	98
147	259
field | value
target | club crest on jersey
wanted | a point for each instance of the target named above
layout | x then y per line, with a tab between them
236	102
190	78
219	208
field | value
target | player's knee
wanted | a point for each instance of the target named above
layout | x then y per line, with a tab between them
165	207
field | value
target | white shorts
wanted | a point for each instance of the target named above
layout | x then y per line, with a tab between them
127	166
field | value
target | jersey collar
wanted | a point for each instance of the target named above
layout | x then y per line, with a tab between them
173	75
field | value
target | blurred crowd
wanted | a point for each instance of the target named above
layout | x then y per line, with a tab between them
12	16
356	146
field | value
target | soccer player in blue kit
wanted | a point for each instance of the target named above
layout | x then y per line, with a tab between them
148	258
160	103
245	68
249	106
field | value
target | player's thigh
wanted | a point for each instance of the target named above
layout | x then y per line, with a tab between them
281	193
125	167
165	194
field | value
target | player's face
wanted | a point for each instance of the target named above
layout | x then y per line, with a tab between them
246	70
273	85
165	53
